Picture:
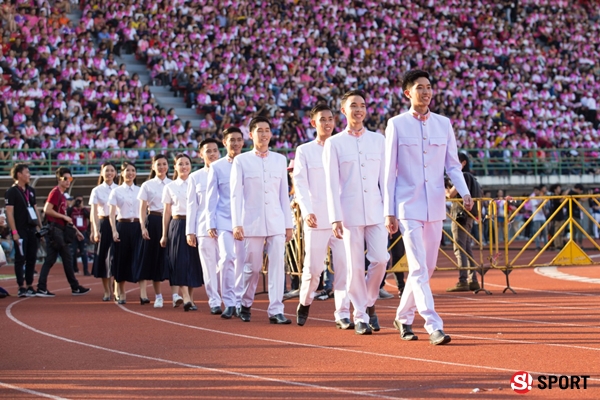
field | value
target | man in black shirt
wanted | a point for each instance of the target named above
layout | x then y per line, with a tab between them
23	221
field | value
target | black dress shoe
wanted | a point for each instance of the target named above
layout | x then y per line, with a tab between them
302	314
193	307
362	328
373	320
406	332
105	298
144	301
279	319
121	301
216	310
344	324
187	306
245	314
228	313
439	337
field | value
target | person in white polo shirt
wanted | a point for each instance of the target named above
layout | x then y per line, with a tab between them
260	211
310	192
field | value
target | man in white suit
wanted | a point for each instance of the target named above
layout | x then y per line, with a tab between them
196	224
419	145
261	215
218	209
353	161
310	190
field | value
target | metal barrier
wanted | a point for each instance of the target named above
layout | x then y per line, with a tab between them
498	243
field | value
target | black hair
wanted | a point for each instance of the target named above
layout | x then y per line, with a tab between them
464	157
353	92
105	164
17	169
230	130
207	141
256	120
60	172
409	78
123	168
319	108
155	159
177	157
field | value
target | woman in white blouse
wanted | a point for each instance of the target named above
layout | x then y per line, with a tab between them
126	231
153	264
101	230
182	259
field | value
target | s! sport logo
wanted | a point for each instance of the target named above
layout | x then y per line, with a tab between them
522	382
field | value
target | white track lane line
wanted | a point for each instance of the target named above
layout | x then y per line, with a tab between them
554	273
33	392
199	367
362	352
488	300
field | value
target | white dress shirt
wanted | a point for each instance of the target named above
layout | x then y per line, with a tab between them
175	194
354	173
309	183
100	196
416	155
125	197
218	195
196	220
151	192
259	195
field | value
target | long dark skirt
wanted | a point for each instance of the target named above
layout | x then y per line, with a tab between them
102	259
183	260
153	258
126	252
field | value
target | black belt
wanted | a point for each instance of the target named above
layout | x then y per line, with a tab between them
129	220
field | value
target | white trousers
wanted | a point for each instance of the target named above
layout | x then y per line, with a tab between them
255	247
209	258
422	243
231	266
364	290
316	243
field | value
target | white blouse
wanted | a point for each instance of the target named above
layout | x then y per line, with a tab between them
175	194
100	196
126	199
151	192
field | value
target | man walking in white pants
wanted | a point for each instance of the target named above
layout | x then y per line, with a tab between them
310	190
419	145
218	209
261	215
196	227
353	161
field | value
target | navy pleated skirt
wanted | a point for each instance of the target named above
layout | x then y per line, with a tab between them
183	260
103	256
126	252
153	257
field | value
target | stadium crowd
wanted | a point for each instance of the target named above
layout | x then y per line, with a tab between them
517	76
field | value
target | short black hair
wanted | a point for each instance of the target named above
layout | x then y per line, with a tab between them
409	78
319	108
353	92
17	169
464	157
207	141
578	186
256	120
62	171
230	130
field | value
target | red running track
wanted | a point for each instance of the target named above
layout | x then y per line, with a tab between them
82	348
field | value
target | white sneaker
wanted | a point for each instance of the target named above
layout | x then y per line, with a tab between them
158	303
384	294
177	300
